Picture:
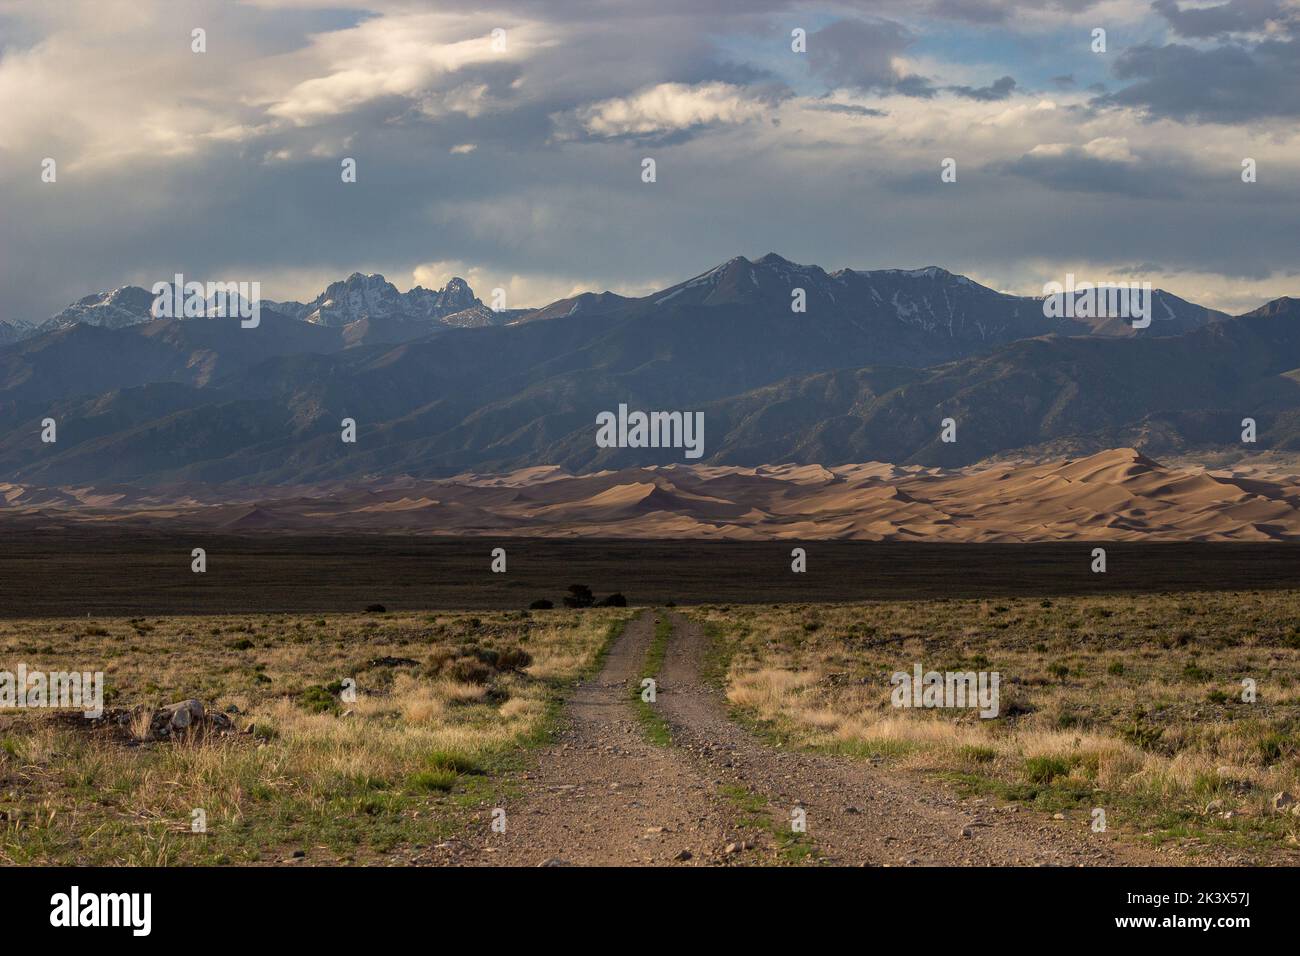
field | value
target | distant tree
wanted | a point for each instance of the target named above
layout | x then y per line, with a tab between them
541	604
579	596
614	600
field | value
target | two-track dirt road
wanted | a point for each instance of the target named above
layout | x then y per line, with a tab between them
601	794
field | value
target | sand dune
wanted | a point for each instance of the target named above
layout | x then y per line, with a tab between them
1114	495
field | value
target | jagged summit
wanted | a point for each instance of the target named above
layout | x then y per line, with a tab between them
359	297
115	309
371	296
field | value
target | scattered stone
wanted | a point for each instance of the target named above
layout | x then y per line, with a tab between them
554	861
1283	800
966	832
178	719
183	714
683	856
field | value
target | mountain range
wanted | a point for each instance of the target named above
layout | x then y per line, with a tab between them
439	384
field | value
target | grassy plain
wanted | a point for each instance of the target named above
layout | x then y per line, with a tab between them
445	705
1133	703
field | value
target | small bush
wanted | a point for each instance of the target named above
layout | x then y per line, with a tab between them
320	700
1272	748
976	754
1195	672
513	659
427	781
469	670
541	605
1067	721
1046	769
1141	734
453	761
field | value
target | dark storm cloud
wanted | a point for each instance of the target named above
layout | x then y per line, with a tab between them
860	53
851	109
1231	83
1001	11
999	90
1076	171
1236	16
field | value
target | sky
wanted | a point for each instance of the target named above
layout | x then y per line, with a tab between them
504	142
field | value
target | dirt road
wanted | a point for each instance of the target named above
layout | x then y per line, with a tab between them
718	795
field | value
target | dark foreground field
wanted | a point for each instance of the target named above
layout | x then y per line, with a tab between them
78	571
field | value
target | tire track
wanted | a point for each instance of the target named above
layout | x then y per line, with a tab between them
602	794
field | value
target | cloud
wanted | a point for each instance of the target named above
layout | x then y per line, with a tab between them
830	104
865	55
228	163
670	107
987	12
523	290
1231	83
421	56
1235	16
1103	166
999	90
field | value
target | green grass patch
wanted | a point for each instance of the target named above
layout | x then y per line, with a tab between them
427	781
653	725
755	813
